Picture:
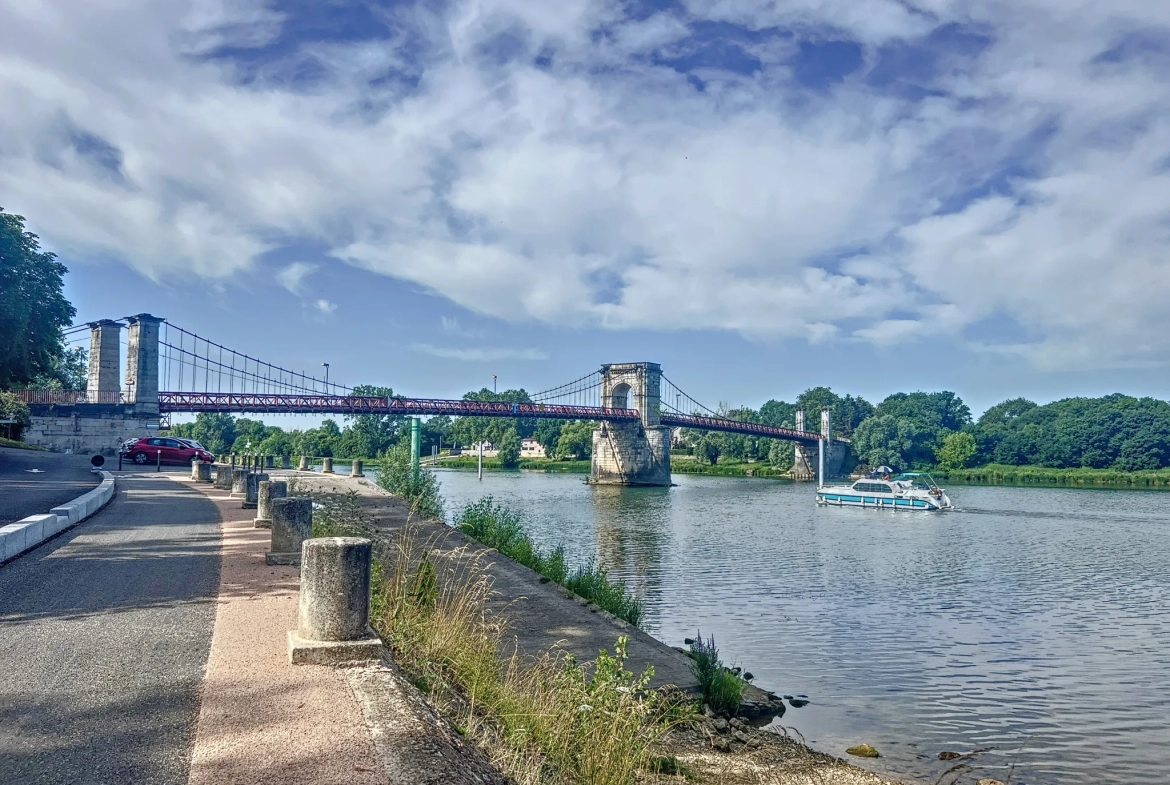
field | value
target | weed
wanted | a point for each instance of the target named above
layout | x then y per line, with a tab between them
396	475
722	688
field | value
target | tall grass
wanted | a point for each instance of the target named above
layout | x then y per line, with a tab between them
1040	475
545	721
498	527
723	688
396	475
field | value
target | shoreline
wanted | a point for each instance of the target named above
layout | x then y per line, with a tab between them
544	617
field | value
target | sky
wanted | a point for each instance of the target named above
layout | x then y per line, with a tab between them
873	195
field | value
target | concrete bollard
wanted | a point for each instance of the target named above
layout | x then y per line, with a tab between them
303	466
266	491
356	469
269	461
201	471
327	466
239	481
195	468
285	462
252	492
223	477
292	524
333	615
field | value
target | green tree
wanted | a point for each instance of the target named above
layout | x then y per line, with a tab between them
510	449
782	454
215	431
548	433
576	440
13	408
33	308
70	371
368	435
885	440
957	450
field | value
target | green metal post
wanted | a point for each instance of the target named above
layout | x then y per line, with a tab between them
415	424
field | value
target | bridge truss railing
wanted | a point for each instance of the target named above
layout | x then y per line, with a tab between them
174	402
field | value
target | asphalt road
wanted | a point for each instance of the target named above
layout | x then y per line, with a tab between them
104	635
33	482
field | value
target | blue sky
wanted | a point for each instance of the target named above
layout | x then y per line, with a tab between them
761	196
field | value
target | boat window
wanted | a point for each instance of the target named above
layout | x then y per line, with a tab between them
871	487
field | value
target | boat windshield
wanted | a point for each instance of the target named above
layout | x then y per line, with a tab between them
920	480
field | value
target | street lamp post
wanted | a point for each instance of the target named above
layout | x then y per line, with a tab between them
326	377
493	382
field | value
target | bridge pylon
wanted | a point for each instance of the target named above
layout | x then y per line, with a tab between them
631	453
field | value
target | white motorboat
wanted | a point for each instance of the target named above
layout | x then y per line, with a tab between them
906	491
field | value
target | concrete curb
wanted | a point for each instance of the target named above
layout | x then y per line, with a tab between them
28	533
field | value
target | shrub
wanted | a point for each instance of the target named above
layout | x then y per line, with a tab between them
722	688
421	492
13	408
510	449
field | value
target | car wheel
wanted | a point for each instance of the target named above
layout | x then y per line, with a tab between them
141	458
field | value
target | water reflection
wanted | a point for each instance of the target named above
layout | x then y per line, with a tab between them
1034	621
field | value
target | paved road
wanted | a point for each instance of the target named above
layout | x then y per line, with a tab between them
104	634
33	482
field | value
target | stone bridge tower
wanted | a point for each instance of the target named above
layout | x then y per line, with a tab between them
631	453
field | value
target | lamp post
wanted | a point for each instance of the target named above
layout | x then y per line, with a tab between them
493	382
326	377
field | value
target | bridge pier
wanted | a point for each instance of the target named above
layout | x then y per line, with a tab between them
627	453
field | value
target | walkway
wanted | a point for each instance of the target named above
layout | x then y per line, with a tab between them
104	633
33	482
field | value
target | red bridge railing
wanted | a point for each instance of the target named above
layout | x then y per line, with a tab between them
358	404
736	426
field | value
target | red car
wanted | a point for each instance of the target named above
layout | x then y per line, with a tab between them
147	451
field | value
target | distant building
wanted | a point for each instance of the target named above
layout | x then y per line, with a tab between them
489	450
531	448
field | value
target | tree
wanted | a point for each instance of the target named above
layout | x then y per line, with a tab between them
576	440
215	431
369	435
510	449
957	450
33	308
782	454
13	408
548	433
885	439
70	371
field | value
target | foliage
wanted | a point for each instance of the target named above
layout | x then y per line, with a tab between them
421	492
13	408
957	450
498	527
69	371
215	431
510	449
33	308
782	455
575	440
885	439
722	688
545	720
1039	475
367	435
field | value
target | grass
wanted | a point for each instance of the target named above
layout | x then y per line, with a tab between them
531	464
543	721
498	527
722	687
1039	475
5	442
729	469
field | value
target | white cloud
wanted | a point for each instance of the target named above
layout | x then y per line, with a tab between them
606	191
479	354
451	326
326	307
293	276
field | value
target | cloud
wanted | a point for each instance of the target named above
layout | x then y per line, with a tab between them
480	354
292	276
451	326
882	171
326	307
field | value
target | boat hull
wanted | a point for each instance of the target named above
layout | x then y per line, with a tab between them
849	498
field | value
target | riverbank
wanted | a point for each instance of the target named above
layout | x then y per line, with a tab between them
543	623
1000	474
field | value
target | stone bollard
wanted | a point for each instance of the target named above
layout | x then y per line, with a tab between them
223	477
285	462
356	469
269	461
252	492
201	471
303	466
265	493
239	482
333	616
195	468
292	524
327	466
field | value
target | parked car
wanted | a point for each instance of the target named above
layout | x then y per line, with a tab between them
164	449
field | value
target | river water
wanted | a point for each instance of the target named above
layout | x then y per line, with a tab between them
1033	622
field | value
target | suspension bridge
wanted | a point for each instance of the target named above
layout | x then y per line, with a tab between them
172	370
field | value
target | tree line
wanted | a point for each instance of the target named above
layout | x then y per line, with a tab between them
921	430
370	435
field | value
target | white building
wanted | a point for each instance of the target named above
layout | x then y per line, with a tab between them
531	448
489	449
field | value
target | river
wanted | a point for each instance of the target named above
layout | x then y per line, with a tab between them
1031	621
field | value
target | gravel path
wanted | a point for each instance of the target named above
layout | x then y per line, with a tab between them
104	632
